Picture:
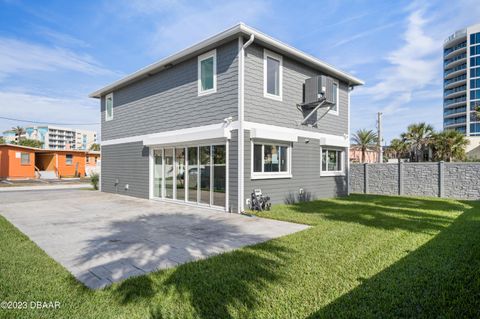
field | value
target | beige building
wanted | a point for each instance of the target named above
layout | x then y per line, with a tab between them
57	138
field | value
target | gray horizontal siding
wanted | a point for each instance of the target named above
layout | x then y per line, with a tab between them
129	163
285	113
305	174
169	99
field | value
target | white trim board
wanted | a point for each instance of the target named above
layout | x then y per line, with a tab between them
272	132
258	130
177	136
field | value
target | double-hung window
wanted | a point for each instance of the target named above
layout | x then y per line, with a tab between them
332	162
109	107
272	75
335	94
207	73
271	160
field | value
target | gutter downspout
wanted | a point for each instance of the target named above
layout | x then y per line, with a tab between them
241	113
349	90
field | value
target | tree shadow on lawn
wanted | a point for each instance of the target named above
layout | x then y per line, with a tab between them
439	279
225	286
386	212
207	288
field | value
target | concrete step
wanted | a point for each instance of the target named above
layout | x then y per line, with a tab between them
48	175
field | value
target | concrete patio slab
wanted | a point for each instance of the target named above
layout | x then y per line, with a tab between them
102	238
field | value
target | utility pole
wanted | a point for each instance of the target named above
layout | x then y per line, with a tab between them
379	143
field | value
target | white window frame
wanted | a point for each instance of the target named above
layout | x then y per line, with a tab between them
341	172
201	58
108	118
266	55
332	111
270	175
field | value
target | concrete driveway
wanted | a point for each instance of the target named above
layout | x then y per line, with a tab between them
102	238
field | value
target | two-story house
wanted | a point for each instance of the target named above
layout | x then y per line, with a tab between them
211	123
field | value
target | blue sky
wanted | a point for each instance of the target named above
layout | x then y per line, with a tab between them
53	54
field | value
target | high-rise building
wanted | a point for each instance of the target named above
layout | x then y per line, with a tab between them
58	138
461	82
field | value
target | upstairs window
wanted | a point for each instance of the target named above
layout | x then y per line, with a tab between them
272	73
334	108
207	73
109	107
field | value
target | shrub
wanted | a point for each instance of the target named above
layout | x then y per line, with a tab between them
293	198
94	179
290	199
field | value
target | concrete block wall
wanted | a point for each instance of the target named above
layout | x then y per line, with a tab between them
462	181
420	178
382	179
449	180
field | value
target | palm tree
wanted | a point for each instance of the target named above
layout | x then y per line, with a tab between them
450	145
366	140
398	148
95	147
418	137
19	131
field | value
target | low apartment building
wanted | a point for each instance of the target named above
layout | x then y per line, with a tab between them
236	112
60	138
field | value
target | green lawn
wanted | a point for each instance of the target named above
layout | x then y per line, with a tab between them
364	256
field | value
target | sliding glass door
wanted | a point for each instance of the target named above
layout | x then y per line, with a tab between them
180	173
219	174
205	174
193	174
157	173
168	173
196	174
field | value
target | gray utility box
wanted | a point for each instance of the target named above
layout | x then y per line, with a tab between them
318	87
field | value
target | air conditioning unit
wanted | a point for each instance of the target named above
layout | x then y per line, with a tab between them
317	88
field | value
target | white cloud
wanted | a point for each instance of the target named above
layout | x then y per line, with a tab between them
18	56
183	24
363	34
66	110
408	87
410	68
60	38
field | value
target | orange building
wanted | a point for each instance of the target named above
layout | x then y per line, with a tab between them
17	162
20	162
371	156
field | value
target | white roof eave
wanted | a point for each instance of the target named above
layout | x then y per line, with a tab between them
239	28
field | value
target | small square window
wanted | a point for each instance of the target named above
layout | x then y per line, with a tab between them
331	162
69	159
270	161
207	69
25	158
